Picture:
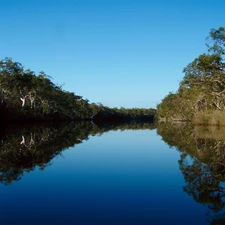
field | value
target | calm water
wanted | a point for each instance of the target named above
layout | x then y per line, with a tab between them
118	177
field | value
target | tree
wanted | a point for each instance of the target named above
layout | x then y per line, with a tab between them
203	85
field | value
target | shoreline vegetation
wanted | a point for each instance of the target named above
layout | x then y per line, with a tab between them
29	97
200	98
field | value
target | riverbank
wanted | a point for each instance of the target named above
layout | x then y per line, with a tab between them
203	118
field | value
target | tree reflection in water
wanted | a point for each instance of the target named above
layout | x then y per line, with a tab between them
202	163
202	159
22	149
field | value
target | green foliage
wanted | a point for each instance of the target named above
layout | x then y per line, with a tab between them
203	85
135	113
29	95
25	95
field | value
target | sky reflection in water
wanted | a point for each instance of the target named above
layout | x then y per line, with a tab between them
120	177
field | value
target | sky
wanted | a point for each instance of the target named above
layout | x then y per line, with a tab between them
121	53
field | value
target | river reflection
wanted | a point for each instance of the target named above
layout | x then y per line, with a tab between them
202	163
123	174
24	148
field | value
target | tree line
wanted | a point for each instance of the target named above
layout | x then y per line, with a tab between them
200	97
25	95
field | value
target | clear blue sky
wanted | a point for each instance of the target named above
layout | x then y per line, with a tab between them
126	53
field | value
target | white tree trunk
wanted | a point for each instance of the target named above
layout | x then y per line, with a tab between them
32	99
23	99
23	142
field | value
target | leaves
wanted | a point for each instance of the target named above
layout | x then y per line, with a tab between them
203	85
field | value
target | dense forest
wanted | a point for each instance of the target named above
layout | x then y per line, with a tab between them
200	97
25	95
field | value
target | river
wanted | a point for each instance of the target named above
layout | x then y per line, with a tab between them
131	175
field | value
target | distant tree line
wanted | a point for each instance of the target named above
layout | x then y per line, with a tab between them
25	95
201	94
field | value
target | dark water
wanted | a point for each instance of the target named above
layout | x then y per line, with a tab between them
81	174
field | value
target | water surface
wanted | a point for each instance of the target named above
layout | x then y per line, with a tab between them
118	177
